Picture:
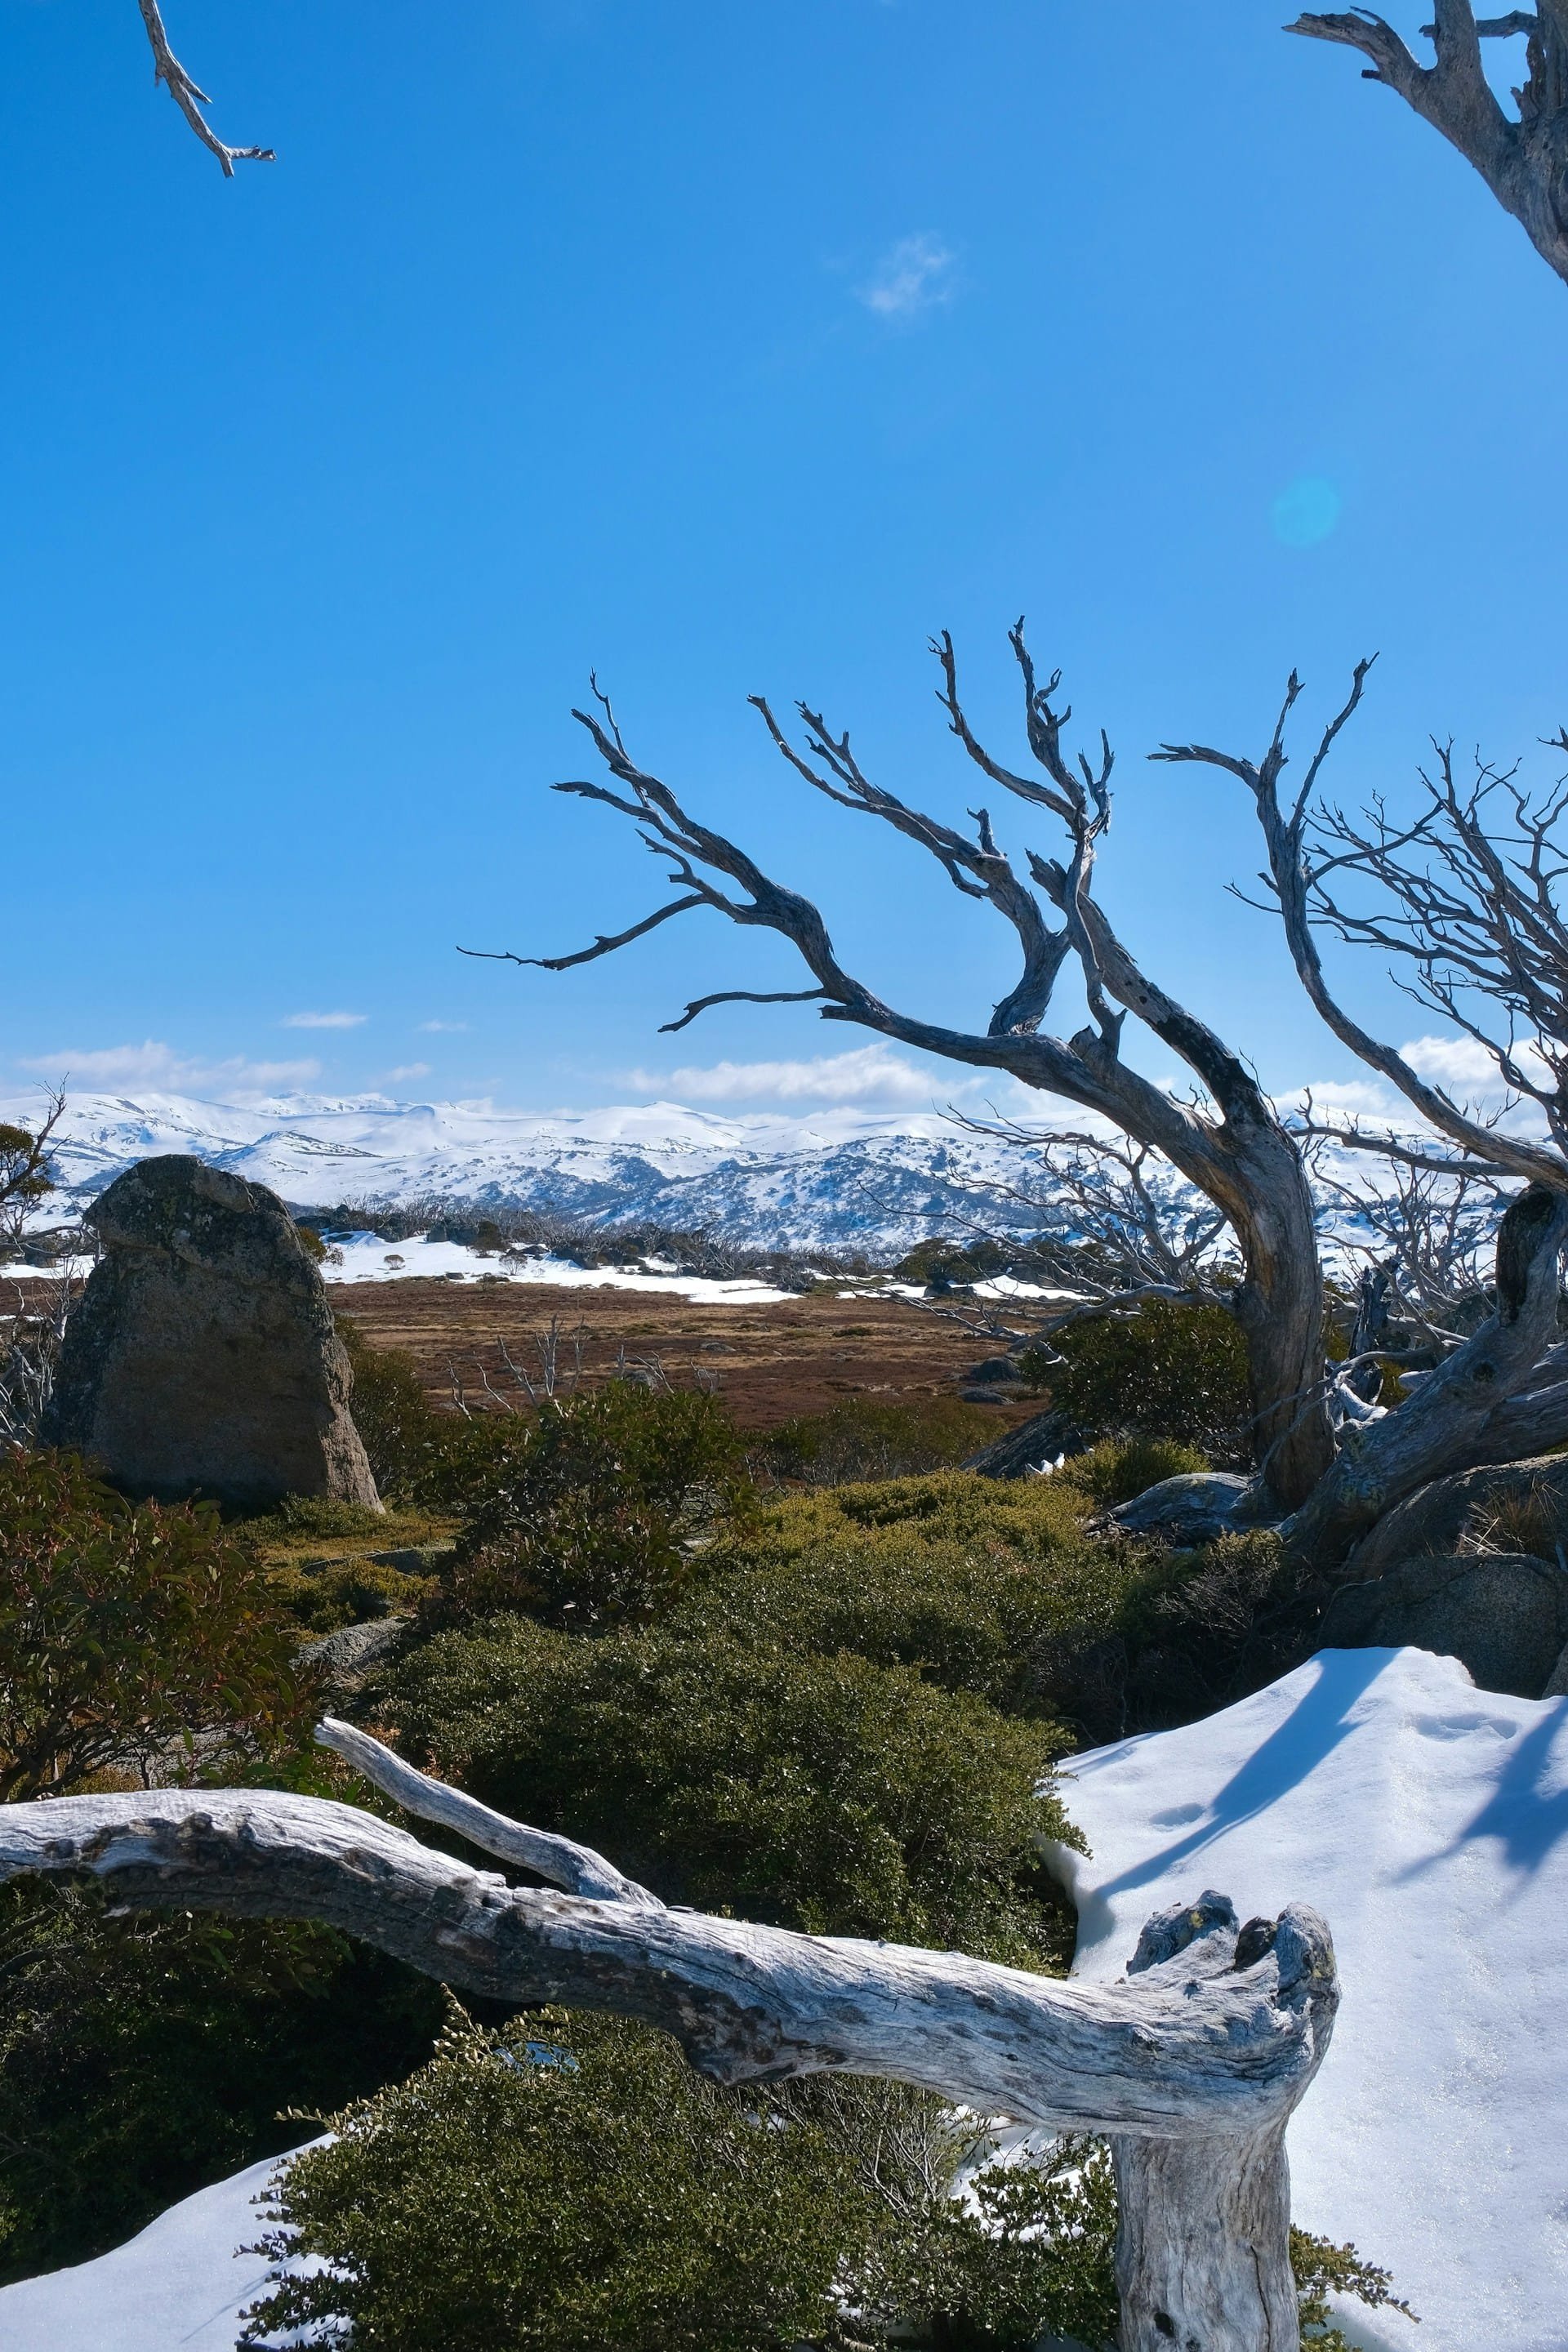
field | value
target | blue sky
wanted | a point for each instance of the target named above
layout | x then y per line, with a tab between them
728	350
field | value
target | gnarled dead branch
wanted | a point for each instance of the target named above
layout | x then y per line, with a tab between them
189	99
1191	2065
1522	158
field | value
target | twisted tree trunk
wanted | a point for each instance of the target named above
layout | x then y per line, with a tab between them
1523	159
1463	1412
1191	2065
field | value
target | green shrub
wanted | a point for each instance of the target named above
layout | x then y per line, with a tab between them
941	1262
1016	1629
142	2057
1030	2256
827	1794
982	1585
568	2184
1169	1370
127	1630
1204	1627
860	1438
589	1513
322	1595
1115	1472
1323	2268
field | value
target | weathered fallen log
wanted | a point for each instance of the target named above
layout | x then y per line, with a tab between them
1191	2066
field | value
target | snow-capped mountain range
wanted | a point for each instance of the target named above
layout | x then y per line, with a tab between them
839	1180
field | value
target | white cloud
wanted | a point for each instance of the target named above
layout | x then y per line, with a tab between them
1461	1067
867	1075
323	1021
912	275
439	1028
152	1063
408	1070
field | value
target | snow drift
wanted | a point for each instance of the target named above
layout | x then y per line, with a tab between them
1428	1820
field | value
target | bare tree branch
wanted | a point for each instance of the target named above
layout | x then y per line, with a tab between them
1293	881
1236	1152
602	946
1444	1427
1524	160
189	99
742	996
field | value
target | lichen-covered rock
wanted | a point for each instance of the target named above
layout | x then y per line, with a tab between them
1029	1448
1504	1615
1193	1508
1516	1507
202	1358
345	1660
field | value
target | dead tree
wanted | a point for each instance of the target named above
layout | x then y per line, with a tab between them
189	99
1475	921
1474	914
1228	1142
1523	157
1120	1230
1419	1243
26	1176
1191	2067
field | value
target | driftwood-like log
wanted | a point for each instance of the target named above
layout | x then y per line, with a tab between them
1191	2065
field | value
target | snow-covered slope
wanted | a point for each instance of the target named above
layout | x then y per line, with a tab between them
845	1179
1428	1820
180	2286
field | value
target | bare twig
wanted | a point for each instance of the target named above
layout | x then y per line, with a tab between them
189	99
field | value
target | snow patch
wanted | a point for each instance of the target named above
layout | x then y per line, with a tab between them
180	2286
1428	1823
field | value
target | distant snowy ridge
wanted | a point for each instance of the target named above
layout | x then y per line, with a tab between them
840	1180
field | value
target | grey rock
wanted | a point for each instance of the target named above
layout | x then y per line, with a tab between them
1192	1509
994	1368
1557	1681
202	1358
1512	1506
345	1659
1504	1615
1025	1448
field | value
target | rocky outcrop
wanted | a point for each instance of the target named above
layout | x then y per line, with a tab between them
1504	1615
202	1358
344	1661
1194	1508
1515	1506
1029	1448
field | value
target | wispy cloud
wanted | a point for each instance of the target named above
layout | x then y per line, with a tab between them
1459	1065
408	1070
153	1064
439	1028
324	1021
915	274
867	1075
